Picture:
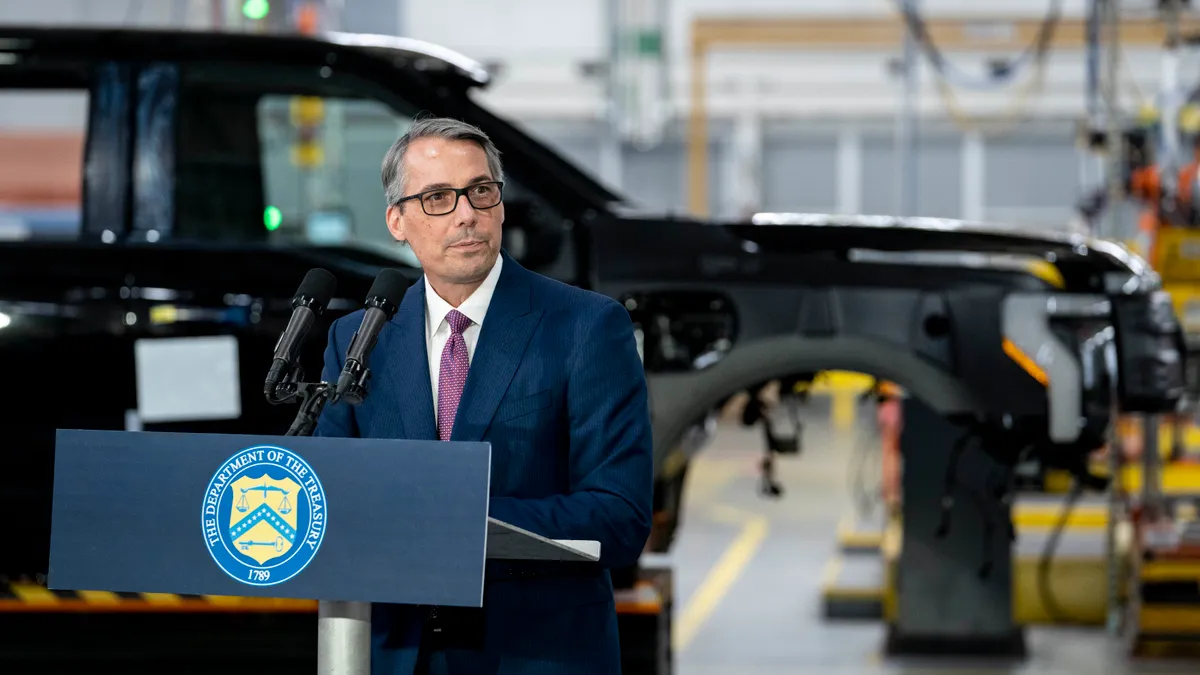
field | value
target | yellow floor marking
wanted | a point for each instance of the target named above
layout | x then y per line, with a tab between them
721	577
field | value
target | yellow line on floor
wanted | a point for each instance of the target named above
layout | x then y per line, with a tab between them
720	578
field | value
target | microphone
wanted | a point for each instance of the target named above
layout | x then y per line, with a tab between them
382	302
310	301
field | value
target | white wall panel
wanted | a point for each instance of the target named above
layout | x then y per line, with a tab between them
42	111
143	13
571	30
811	84
938	175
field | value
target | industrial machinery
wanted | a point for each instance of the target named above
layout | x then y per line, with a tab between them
1154	163
1022	343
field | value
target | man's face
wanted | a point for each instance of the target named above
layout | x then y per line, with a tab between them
461	246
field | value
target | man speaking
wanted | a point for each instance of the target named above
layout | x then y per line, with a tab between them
482	349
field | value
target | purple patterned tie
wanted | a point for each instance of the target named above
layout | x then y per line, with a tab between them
453	374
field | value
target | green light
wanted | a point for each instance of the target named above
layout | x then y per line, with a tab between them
272	218
255	9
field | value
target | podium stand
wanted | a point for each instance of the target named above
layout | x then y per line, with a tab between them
344	521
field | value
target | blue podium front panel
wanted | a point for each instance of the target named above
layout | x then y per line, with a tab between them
278	516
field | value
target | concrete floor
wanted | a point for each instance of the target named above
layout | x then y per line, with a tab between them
748	577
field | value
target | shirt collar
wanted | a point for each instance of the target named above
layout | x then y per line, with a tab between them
474	307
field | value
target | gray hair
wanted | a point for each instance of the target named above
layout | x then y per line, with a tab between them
433	127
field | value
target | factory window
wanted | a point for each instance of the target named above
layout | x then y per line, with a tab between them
41	162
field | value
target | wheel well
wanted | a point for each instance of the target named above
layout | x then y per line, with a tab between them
678	400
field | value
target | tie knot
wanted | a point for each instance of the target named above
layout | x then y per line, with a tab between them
458	321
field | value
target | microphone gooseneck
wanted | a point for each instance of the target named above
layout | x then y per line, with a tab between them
309	302
383	300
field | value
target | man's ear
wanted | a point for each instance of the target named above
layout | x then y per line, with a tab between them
395	222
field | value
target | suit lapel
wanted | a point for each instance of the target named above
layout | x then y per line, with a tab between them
407	367
503	338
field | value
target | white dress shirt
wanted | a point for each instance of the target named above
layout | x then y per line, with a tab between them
437	329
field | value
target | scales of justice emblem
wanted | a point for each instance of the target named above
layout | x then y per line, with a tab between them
264	515
263	526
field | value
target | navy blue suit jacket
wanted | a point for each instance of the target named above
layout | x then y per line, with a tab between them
557	387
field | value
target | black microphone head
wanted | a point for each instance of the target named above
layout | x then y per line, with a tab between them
316	290
387	291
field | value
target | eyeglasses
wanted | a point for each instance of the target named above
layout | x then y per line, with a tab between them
441	201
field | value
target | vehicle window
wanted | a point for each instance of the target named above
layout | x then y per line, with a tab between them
41	162
321	160
288	157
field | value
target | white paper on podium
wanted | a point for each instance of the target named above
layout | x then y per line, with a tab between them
588	547
509	542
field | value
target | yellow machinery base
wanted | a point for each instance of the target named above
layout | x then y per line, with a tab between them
1177	478
1072	589
853	584
857	585
1165	631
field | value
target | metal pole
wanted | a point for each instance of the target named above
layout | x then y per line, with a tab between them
1116	452
1151	466
1091	167
1109	17
343	628
906	122
217	14
665	106
1094	19
610	144
747	163
344	638
1115	177
1169	103
1178	429
1173	99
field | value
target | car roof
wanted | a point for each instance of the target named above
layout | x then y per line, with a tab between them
401	52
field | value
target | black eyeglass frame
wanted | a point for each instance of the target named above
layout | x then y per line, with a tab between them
459	193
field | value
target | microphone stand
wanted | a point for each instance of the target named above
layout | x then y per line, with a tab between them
343	628
313	397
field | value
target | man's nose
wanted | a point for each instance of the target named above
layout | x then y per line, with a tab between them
464	213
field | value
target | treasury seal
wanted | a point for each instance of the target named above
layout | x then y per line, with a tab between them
264	515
